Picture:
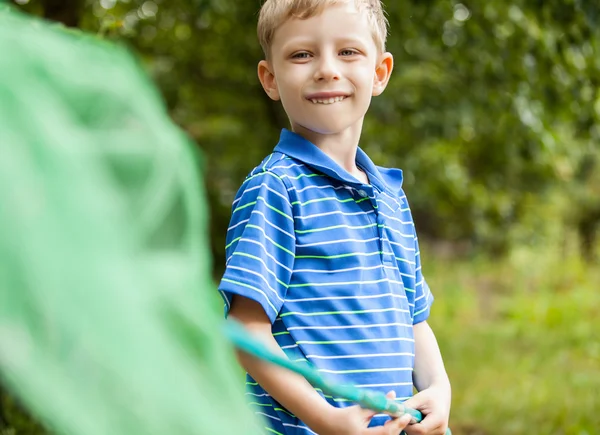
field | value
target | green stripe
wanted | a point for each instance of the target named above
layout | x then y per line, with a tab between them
272	430
283	410
252	383
281	333
268	160
264	172
232	242
241	284
276	210
243	254
260	404
270	240
241	207
420	312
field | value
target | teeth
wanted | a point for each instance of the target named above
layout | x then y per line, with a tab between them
328	100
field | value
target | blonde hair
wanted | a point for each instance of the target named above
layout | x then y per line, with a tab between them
276	12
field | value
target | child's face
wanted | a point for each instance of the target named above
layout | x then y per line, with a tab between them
325	69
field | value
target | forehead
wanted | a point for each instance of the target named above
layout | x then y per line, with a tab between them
341	21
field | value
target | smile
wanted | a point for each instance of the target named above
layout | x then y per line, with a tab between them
327	100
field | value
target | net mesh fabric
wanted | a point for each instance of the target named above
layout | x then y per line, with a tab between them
108	322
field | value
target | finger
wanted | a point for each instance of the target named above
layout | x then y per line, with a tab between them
395	425
417	401
366	413
415	429
432	424
391	427
391	395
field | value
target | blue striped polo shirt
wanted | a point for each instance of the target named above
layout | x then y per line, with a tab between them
335	265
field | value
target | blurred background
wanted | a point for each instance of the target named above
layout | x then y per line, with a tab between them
493	113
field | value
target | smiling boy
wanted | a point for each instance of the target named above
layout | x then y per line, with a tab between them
322	255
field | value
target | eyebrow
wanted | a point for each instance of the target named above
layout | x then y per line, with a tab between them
344	40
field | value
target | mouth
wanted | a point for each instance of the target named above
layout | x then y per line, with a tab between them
326	101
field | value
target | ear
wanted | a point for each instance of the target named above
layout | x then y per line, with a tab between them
267	79
383	72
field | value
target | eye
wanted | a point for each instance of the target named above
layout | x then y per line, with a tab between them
301	55
348	52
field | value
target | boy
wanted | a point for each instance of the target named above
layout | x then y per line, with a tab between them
322	255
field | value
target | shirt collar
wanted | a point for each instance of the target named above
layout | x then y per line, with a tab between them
299	148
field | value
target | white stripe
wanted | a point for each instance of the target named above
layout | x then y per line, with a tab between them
341	283
399	201
339	298
329	213
238	224
299	427
388	206
360	355
402	246
259	275
326	186
260	259
273	225
259	186
404	260
257	395
395	369
374	325
369	340
385	310
273	242
293	165
396	219
331	242
350	269
267	415
256	289
408	236
291	346
384	385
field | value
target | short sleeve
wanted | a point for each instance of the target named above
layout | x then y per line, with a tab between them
423	296
261	244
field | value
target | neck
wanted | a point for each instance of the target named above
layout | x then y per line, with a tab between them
341	147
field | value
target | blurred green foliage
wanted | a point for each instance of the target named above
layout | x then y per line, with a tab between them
520	346
493	113
493	110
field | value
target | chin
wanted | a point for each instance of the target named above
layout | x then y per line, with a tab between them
326	128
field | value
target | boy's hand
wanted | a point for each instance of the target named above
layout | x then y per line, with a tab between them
355	420
434	404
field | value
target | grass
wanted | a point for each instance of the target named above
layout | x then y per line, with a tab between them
520	342
520	339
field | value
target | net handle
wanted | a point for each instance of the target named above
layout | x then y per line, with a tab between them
376	401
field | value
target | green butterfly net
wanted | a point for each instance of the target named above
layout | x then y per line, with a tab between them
108	322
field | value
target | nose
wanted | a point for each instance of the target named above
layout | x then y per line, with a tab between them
327	69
